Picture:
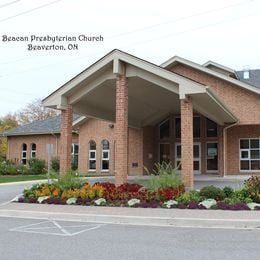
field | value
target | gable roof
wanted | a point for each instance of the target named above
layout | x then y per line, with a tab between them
210	63
254	77
175	60
48	126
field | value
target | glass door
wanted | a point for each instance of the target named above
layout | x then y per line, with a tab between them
212	157
196	157
164	152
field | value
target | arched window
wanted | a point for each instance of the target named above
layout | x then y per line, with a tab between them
24	153
92	156
33	150
105	155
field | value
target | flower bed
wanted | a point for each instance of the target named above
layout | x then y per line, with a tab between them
136	195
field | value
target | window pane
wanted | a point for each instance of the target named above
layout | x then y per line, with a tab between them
255	154
196	126
24	154
255	165
92	164
33	146
244	165
165	130
254	143
105	145
196	151
92	155
23	161
196	165
244	144
212	129
92	145
178	127
33	154
76	148
244	154
105	164
178	155
164	153
105	155
24	147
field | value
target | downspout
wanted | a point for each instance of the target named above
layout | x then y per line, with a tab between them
224	145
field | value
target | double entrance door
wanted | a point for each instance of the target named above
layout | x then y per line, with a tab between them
165	155
210	156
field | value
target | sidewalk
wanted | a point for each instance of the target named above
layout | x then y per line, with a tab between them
136	216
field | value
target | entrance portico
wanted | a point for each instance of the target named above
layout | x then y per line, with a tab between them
132	92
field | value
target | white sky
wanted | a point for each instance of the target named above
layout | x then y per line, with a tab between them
225	31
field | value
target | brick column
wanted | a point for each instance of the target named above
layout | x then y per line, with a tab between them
220	151
65	140
187	142
121	131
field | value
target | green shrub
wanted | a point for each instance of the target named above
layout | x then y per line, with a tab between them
228	191
55	164
37	166
252	185
243	195
212	192
68	181
11	168
163	176
186	197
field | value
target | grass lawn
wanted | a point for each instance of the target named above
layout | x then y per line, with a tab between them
7	178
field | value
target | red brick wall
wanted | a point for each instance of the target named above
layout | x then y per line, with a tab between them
233	136
15	143
243	103
98	130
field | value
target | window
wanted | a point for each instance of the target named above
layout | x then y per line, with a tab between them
165	129
24	154
74	155
250	154
178	127
33	150
196	127
105	155
212	128
92	155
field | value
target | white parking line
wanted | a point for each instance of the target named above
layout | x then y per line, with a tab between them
14	199
36	228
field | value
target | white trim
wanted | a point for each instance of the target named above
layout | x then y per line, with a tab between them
176	59
249	155
217	65
89	156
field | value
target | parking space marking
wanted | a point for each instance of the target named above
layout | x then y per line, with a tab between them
52	227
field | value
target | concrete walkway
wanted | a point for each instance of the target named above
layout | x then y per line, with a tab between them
136	216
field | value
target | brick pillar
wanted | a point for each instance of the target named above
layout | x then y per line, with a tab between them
121	131
220	151
65	140
187	142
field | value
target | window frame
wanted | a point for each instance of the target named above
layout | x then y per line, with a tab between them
159	129
248	150
22	154
89	156
33	151
102	155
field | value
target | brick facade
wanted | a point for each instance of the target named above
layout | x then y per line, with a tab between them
187	142
65	139
121	130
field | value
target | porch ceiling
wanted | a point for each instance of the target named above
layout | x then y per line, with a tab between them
147	102
153	92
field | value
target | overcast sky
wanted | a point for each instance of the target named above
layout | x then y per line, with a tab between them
225	31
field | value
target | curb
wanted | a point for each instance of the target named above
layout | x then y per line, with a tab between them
145	220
